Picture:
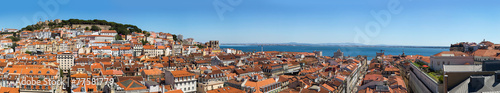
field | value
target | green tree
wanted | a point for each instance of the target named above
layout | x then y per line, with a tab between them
148	34
60	74
200	46
28	52
14	39
14	45
175	37
118	37
30	28
124	29
87	28
95	28
144	42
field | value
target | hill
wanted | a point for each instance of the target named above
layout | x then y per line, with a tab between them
123	29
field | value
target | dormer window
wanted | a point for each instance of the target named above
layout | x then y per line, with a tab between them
48	72
15	71
7	71
39	72
31	71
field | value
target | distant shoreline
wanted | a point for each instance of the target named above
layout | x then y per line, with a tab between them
395	46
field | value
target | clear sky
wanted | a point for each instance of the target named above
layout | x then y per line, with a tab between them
420	22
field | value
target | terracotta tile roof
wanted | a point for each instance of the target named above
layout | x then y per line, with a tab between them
486	52
154	71
181	73
125	48
328	87
161	47
289	91
112	72
227	89
87	87
86	67
451	53
131	85
203	61
27	66
116	45
108	31
340	77
391	69
30	71
80	75
136	78
426	59
259	84
102	42
309	90
9	90
158	65
373	77
168	87
149	47
96	65
175	91
103	47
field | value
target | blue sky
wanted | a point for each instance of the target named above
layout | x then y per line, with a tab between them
420	22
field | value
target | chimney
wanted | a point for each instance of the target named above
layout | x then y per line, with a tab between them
497	76
315	87
476	83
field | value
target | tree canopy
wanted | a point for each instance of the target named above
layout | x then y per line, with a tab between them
14	39
95	28
124	29
144	42
175	37
118	37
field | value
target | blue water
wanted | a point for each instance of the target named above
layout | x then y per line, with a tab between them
348	51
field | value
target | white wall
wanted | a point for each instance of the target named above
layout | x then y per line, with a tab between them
438	61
